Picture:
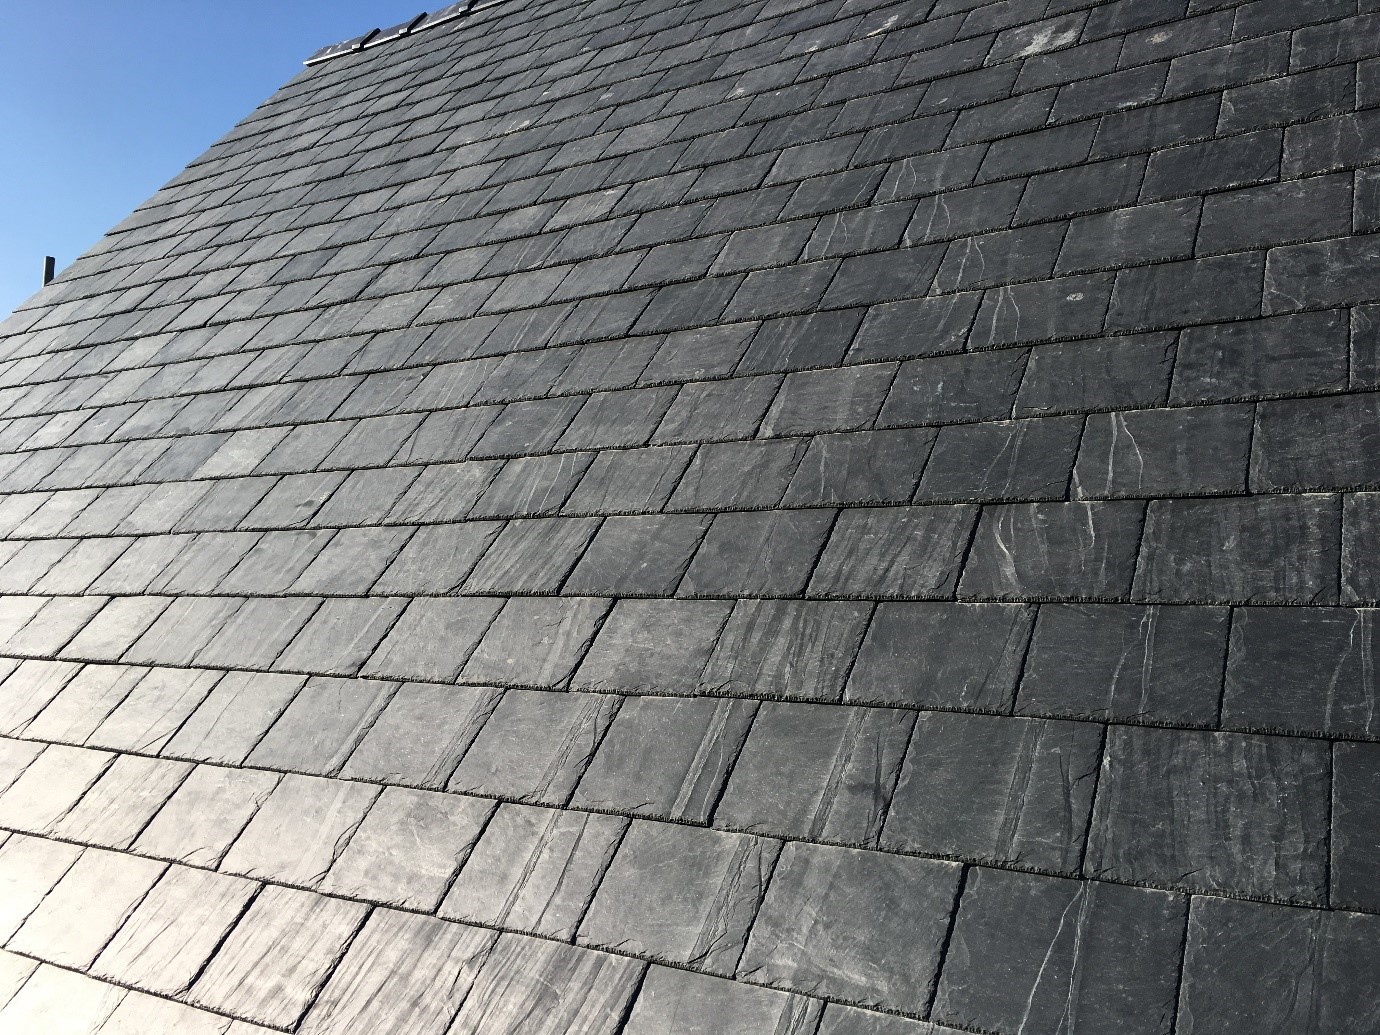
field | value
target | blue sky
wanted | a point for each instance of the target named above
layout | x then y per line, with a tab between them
102	103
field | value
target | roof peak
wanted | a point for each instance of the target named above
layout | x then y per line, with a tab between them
376	37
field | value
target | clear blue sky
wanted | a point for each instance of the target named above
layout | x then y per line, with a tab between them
102	103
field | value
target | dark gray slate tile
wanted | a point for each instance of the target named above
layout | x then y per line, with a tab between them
1225	812
341	635
1355	862
1309	670
1191	451
786	649
1130	236
682	895
1259	550
801	342
758	554
849	1020
861	467
437	558
1082	188
421	735
629	481
234	717
1251	967
942	655
1050	954
997	789
1066	307
1324	443
1054	551
675	1002
1261	217
887	915
1213	165
322	726
1104	374
1329	273
536	642
697	354
666	757
408	848
639	556
884	276
533	987
844	399
711	411
1126	662
402	973
534	870
625	418
738	475
432	639
1281	355
532	485
535	746
206	814
444	492
154	710
1361	548
962	213
659	645
1178	294
532	556
955	389
894	552
1289	99
1004	257
915	327
1022	459
818	773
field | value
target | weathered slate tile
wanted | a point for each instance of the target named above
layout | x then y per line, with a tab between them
1328	273
1317	444
445	492
758	554
123	800
666	757
340	635
535	870
205	814
1045	953
403	975
712	411
1212	812
140	1014
681	895
954	389
544	988
433	638
1280	355
536	746
70	998
437	558
1002	460
1213	165
1130	236
915	327
154	710
674	1002
800	649
887	915
532	557
996	789
407	848
944	655
1124	372
274	562
1258	550
352	561
1252	967
115	628
840	399
738	475
1178	294
257	632
1355	855
1361	548
1190	451
300	829
1054	551
660	645
421	735
29	868
174	930
88	905
1259	217
849	1020
861	467
184	627
530	486
277	956
29	688
1306	669
1126	662
638	556
800	342
322	725
83	704
629	481
234	716
49	786
819	773
894	552
15	757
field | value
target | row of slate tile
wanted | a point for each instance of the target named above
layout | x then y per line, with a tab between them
1008	790
1254	669
264	952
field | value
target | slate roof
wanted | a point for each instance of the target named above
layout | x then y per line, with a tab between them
653	517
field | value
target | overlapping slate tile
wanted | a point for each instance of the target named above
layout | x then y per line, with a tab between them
674	1002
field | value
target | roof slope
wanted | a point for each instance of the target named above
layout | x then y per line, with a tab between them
638	517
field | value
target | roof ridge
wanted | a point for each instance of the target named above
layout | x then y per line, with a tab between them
376	37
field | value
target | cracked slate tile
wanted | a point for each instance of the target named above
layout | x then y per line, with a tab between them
1126	662
402	975
665	757
1045	953
537	987
300	829
818	773
1225	812
206	814
421	735
996	789
682	895
277	956
172	933
535	746
887	915
535	870
1190	451
408	848
676	1002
